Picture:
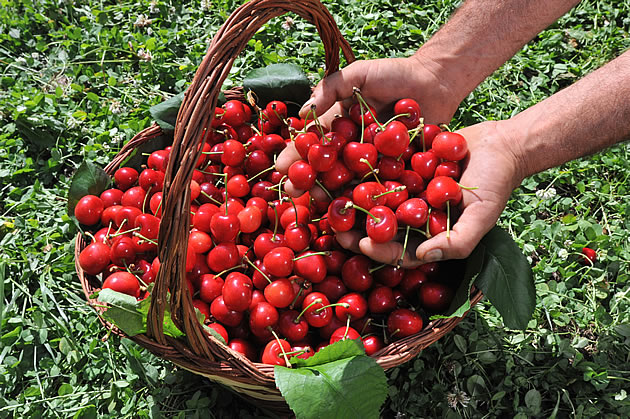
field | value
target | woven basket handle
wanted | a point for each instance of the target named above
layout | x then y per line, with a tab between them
195	115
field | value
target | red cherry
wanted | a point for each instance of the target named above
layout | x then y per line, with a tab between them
228	317
450	146
413	213
264	315
589	256
332	287
430	131
403	322
381	300
125	178
310	266
111	197
124	282
413	181
94	258
250	219
443	189
337	177
448	168
438	221
291	327
277	112
280	293
243	347
393	140
238	186
256	163
273	352
233	153
355	114
134	197
302	175
411	282
223	256
346	127
210	287
298	237
279	261
372	344
322	157
267	241
344	333
394	199
356	273
293	125
89	209
355	154
235	113
341	216
367	195
203	308
435	296
123	251
151	180
425	163
218	327
272	144
411	107
317	311
390	168
389	275
352	305
158	160
385	227
303	143
224	228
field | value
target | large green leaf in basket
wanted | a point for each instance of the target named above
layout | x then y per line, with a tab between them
284	81
501	271
165	113
339	381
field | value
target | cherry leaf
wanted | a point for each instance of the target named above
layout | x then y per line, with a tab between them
335	385
89	179
506	279
285	81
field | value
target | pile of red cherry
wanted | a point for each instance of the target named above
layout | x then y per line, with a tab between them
265	269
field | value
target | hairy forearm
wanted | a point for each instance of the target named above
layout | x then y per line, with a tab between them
484	34
586	117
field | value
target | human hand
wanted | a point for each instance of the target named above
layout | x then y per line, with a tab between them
494	168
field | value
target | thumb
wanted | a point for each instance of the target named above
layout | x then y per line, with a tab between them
336	87
461	240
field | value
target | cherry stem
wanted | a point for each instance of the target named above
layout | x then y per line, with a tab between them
345	333
311	254
372	169
124	221
269	169
316	121
444	127
344	305
280	187
377	268
315	301
207	196
275	224
225	179
396	189
297	295
318	183
212	152
351	204
427	233
393	118
299	352
417	230
257	269
284	354
120	233
146	196
297	222
145	238
448	219
362	102
424	146
468	188
232	268
402	256
90	235
365	325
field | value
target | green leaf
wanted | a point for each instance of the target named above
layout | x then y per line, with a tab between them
339	350
130	315
89	179
506	279
286	82
123	312
165	113
353	387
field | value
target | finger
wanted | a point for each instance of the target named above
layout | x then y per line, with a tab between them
459	243
291	190
336	87
389	253
286	158
349	240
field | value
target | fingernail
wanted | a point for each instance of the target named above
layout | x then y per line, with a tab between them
307	106
433	256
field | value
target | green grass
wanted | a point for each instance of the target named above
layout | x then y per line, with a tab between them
73	87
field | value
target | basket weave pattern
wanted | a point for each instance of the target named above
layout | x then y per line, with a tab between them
197	351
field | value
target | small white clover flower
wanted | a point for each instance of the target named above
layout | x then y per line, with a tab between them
142	21
153	7
563	254
73	122
458	397
205	4
115	107
288	23
546	193
145	55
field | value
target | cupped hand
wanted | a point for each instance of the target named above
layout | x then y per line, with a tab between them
492	167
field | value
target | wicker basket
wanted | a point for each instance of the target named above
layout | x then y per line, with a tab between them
197	351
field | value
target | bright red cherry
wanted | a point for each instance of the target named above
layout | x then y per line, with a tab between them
435	296
382	226
89	209
124	282
393	140
450	146
413	213
94	258
403	322
443	189
412	109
